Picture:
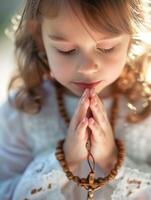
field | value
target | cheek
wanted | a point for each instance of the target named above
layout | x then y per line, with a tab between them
60	67
115	66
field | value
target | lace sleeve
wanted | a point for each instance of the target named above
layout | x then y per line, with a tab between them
15	152
21	175
130	180
43	179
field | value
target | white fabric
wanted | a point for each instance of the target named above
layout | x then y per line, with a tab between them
29	169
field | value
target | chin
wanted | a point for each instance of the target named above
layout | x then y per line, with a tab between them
79	93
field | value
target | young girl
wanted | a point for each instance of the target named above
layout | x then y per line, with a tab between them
79	66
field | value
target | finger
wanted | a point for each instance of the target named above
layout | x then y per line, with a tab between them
73	120
106	122
98	113
81	110
100	103
97	131
81	129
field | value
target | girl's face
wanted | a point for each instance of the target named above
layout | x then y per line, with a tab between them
77	53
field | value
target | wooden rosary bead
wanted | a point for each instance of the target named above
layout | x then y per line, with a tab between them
83	182
63	164
59	151
76	179
114	172
100	180
65	169
60	157
69	175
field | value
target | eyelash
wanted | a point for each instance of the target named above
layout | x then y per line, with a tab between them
105	51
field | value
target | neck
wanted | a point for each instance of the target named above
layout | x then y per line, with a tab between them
107	92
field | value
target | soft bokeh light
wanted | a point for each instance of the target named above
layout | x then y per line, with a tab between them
7	65
145	37
8	9
148	74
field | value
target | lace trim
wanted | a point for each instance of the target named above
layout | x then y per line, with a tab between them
43	176
131	182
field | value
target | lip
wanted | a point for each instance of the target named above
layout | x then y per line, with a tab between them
87	85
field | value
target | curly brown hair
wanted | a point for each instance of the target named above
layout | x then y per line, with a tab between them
130	16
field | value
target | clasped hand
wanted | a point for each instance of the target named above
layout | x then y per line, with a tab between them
103	145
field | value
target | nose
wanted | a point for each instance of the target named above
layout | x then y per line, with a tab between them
88	66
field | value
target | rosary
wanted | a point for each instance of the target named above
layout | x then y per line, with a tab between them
90	183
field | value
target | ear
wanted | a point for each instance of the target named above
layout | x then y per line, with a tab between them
34	28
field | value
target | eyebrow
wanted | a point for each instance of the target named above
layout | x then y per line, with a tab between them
62	38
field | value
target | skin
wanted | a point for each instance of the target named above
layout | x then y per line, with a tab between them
80	65
85	64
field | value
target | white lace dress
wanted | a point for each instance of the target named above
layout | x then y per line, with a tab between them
30	171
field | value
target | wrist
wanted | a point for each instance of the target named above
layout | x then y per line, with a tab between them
108	163
72	166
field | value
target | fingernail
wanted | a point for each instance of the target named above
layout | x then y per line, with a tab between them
84	120
91	121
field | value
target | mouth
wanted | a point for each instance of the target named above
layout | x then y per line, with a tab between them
87	85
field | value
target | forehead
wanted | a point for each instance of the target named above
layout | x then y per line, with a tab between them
70	22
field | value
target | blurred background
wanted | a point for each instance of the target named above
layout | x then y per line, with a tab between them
7	62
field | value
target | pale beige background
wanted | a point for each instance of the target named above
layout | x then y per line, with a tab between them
7	64
7	10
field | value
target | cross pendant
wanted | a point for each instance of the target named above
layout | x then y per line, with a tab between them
90	189
90	194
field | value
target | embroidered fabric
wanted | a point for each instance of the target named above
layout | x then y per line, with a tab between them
43	178
30	170
132	181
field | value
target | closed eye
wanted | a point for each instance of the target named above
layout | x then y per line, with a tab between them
104	51
66	52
